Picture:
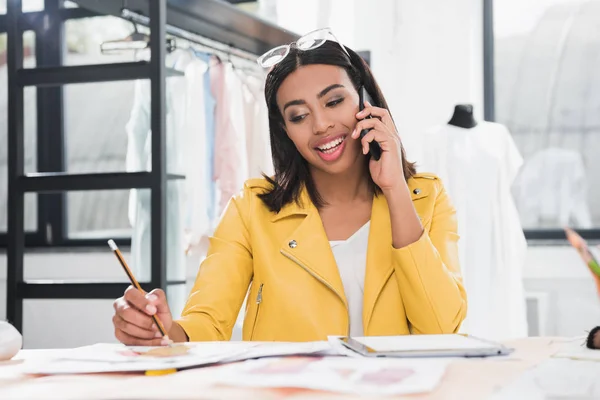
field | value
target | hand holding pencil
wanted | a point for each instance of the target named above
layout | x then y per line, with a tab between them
133	320
141	319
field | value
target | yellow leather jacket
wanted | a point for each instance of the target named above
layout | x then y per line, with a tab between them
296	293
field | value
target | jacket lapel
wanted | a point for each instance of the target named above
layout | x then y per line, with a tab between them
308	245
379	256
379	251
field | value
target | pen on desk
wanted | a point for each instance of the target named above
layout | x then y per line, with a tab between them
135	283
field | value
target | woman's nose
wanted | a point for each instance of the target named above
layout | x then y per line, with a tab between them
321	123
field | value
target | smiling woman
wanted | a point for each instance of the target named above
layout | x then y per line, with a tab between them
335	243
305	119
321	85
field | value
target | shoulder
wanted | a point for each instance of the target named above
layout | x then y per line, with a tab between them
426	175
247	203
425	182
251	190
257	186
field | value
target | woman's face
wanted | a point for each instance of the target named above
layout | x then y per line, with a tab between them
319	105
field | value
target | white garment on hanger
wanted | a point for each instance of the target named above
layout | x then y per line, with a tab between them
198	221
478	166
231	164
551	190
139	158
258	142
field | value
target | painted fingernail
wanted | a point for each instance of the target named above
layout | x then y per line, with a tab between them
158	335
151	309
166	341
353	134
154	327
152	297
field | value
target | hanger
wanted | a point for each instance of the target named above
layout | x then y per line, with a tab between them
134	41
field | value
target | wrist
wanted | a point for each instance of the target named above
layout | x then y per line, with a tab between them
177	333
397	191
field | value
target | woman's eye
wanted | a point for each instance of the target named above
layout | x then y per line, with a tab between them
334	103
297	118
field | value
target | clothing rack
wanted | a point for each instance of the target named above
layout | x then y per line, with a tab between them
222	25
190	37
213	20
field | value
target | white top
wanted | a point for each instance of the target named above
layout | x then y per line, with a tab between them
351	258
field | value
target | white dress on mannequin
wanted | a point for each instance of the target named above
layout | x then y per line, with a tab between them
478	167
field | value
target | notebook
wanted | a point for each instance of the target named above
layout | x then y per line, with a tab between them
451	345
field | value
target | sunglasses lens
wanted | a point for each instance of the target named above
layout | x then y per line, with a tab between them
313	39
309	41
273	56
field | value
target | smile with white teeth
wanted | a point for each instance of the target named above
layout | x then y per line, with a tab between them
330	147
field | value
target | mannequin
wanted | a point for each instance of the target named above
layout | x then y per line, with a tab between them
463	116
478	163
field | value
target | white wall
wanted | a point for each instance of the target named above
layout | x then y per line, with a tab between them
570	303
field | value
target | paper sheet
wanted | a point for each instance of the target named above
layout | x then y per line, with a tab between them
577	351
118	358
367	377
555	379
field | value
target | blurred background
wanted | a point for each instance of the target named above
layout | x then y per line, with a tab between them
532	66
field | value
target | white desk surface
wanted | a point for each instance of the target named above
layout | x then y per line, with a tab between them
464	379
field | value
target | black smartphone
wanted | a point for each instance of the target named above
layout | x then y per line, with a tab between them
374	147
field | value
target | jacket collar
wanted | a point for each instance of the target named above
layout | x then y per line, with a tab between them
302	207
305	204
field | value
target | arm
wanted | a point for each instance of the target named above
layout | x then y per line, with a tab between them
426	263
427	267
222	281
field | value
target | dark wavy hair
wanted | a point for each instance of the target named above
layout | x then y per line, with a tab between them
291	169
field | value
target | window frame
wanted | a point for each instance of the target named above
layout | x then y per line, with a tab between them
490	115
51	218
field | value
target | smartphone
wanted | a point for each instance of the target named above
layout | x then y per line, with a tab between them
374	147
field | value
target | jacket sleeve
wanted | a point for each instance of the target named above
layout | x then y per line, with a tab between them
223	278
429	276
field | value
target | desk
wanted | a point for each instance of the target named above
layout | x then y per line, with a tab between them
464	379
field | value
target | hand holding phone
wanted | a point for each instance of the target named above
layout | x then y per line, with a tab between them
374	147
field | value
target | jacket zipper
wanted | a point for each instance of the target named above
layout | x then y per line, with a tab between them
294	259
259	296
258	301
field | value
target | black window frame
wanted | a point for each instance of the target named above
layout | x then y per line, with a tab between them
490	115
51	216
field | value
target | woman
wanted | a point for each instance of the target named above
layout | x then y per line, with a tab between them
335	243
